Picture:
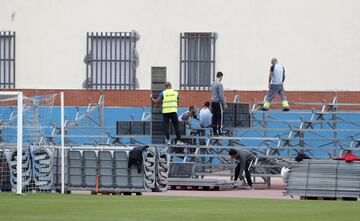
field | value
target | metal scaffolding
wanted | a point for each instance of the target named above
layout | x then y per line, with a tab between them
320	130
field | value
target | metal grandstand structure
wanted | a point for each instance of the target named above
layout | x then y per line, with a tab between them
88	123
322	130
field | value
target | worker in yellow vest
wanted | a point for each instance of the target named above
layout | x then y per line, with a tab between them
169	99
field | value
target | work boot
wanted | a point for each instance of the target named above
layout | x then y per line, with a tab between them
264	108
285	109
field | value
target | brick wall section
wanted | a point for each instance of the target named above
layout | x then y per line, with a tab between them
140	98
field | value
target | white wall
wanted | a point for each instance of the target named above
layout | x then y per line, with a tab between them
318	42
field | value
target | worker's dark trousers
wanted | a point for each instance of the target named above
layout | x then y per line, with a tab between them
175	122
247	172
217	117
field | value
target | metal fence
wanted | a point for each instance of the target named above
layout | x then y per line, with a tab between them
7	59
197	60
111	60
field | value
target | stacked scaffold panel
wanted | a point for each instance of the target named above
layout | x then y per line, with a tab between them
90	169
5	185
149	162
109	170
42	164
324	178
121	172
11	157
137	180
348	178
82	169
57	168
162	171
136	171
75	169
106	171
158	79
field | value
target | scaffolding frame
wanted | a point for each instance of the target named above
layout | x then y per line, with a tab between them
324	132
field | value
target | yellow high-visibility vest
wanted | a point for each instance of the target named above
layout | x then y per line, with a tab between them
169	102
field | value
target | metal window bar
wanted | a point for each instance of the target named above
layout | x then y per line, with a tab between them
7	59
197	60
111	60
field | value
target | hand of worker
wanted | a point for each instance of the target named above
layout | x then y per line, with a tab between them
225	106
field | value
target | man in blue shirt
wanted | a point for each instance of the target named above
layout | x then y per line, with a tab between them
169	99
276	81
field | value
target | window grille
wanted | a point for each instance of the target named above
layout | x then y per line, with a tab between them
111	60
7	59
197	60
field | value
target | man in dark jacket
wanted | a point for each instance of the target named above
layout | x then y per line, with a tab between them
136	157
243	159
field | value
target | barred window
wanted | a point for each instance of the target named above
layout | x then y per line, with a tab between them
7	59
197	60
111	60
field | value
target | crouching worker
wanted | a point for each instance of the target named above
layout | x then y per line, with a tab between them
276	81
243	159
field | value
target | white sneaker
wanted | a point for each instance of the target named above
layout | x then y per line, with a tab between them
236	183
249	188
180	143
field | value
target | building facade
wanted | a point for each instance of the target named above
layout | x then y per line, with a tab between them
112	44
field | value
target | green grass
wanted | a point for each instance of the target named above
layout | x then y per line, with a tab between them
40	207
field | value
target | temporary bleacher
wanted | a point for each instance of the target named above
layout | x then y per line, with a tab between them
321	130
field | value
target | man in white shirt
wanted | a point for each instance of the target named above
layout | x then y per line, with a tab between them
205	115
276	81
188	116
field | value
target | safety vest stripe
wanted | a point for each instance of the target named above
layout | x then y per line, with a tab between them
170	107
170	101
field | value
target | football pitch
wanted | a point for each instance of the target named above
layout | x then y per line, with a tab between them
51	206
